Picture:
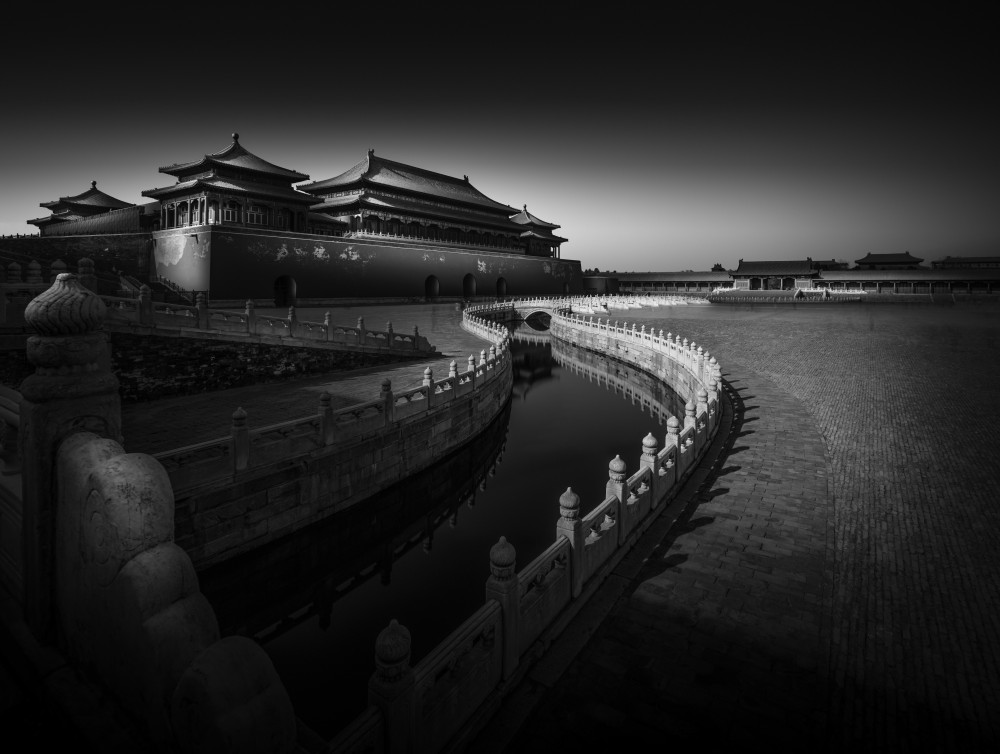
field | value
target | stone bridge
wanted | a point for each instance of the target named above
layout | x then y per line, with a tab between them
520	309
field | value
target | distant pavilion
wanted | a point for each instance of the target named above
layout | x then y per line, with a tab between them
904	261
68	209
234	187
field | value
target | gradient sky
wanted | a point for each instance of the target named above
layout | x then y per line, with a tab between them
656	143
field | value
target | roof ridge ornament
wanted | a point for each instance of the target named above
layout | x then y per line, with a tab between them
93	184
236	138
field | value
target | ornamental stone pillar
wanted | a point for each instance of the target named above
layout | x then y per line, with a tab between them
251	316
326	425
428	384
72	390
672	440
391	687
648	461
145	305
388	402
570	526
503	586
201	306
616	486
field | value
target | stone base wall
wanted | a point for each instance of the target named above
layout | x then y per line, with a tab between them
149	368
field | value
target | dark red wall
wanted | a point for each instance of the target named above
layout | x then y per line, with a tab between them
247	264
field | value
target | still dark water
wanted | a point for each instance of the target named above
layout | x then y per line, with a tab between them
318	599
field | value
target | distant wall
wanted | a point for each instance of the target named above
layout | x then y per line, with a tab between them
127	252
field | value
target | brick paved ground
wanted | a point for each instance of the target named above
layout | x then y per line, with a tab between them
837	585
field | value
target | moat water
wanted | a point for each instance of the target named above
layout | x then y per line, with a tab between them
419	552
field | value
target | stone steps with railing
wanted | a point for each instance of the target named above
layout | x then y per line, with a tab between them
143	315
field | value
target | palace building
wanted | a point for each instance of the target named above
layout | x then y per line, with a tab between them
236	226
380	197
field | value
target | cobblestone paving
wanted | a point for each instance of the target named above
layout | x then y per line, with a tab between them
837	586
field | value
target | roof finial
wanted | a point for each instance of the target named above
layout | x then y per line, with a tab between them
236	138
526	208
371	151
93	184
466	178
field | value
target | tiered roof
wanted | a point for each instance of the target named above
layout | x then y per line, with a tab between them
233	170
377	173
353	202
93	201
903	258
800	267
536	227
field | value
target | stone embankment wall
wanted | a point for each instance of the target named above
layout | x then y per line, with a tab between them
436	704
254	486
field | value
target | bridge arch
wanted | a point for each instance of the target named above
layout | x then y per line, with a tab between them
284	291
501	288
469	286
432	287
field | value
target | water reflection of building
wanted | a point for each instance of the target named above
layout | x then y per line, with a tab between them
631	383
271	590
531	358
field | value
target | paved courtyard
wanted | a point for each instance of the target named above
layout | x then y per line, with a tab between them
836	584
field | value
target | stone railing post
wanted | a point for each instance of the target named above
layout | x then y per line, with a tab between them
145	305
428	384
570	526
72	390
251	316
388	402
55	269
701	418
327	328
503	586
34	276
482	357
672	440
361	331
325	419
472	372
416	338
391	688
616	486
202	306
13	274
293	323
713	402
648	461
689	420
388	335
453	374
241	441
